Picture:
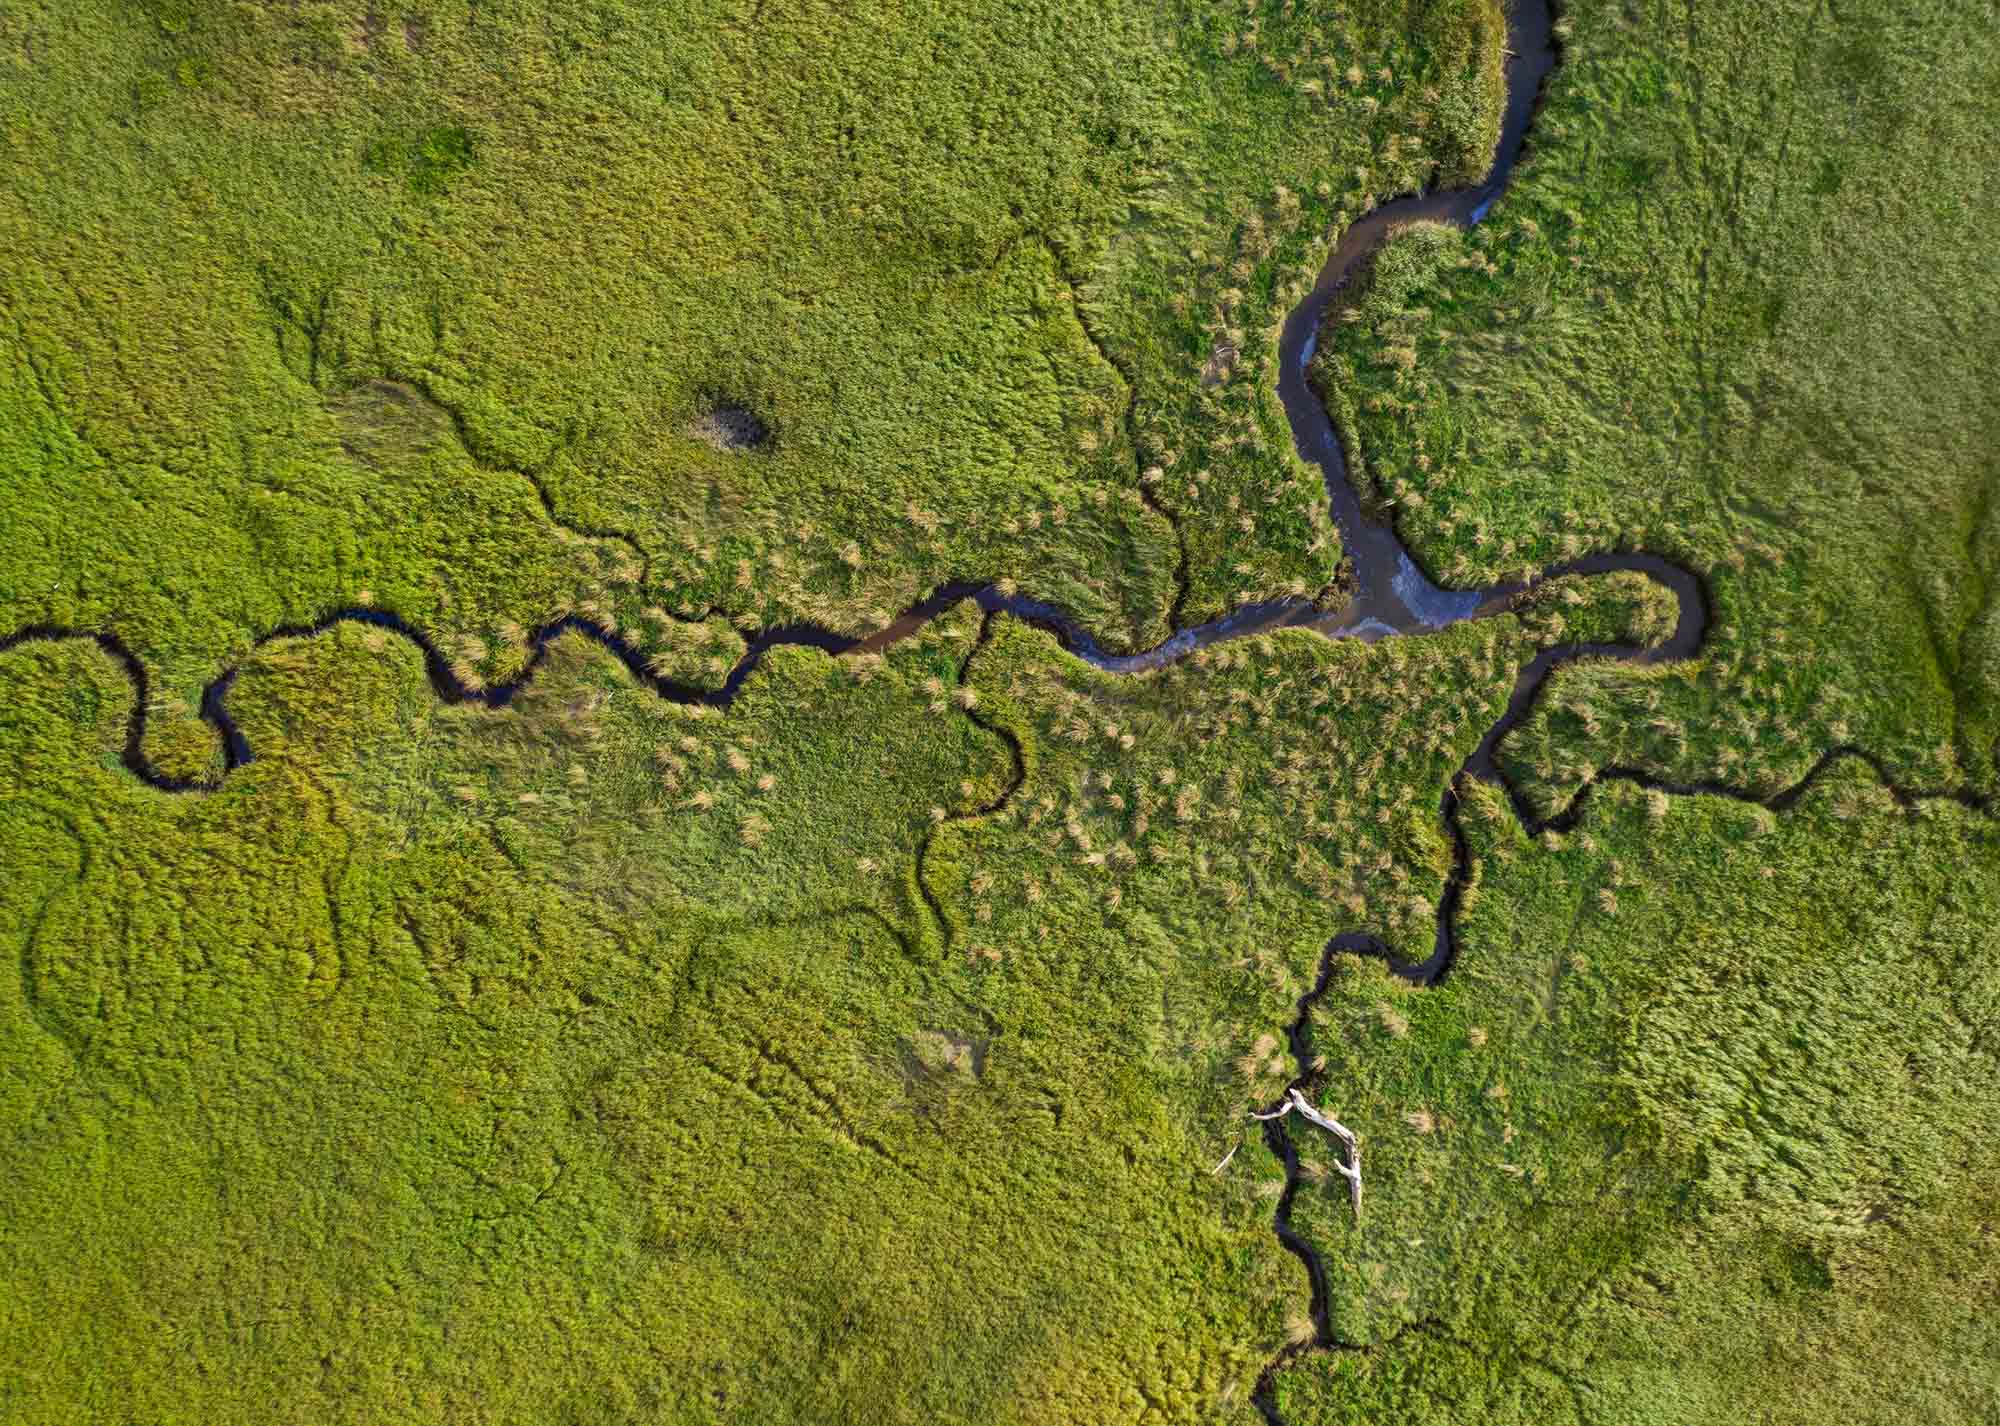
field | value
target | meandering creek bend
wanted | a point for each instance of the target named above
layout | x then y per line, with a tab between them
1392	597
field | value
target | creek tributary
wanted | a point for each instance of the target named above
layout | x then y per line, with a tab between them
1392	597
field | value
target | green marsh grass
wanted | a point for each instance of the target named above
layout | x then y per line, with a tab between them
599	1059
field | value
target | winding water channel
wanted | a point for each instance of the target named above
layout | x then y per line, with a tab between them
1392	597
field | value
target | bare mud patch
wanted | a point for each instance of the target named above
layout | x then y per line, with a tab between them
730	427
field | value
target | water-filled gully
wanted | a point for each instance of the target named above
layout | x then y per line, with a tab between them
1392	597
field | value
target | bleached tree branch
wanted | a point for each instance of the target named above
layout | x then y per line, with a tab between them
1295	1098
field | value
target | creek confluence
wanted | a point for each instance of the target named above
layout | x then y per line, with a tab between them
1392	597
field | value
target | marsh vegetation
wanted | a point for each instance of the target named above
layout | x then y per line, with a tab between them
883	1045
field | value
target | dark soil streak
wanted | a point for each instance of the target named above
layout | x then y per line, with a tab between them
1017	778
1177	603
478	453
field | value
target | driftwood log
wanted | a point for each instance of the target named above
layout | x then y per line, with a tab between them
1350	1170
